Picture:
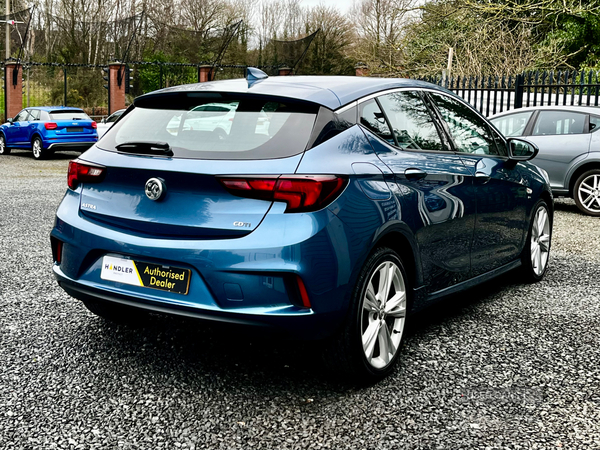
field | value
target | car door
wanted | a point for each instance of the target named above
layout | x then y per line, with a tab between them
15	133
561	136
433	184
501	193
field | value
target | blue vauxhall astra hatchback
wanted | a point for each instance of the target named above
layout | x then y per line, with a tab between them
328	207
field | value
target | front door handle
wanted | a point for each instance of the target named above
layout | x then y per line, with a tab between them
414	174
482	178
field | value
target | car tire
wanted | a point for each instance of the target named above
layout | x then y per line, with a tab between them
367	346
586	192
536	253
37	147
4	150
221	133
115	312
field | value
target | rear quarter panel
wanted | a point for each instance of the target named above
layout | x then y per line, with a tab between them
367	208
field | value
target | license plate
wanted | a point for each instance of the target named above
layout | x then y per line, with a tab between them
75	130
138	273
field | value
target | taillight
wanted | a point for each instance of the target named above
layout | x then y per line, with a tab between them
82	172
94	124
303	293
50	126
302	193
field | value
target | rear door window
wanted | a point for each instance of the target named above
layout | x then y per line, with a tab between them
240	128
372	118
559	122
412	125
513	124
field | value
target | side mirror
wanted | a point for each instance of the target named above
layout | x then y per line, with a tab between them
103	120
521	150
9	120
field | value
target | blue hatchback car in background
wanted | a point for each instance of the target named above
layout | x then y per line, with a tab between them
46	129
331	208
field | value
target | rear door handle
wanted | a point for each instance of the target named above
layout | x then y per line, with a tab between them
414	174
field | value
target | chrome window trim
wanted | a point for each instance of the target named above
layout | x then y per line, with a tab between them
357	102
347	107
425	89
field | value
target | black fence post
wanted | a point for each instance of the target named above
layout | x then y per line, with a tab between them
519	82
65	75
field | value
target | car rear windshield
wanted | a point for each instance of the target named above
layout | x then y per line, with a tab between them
69	114
217	126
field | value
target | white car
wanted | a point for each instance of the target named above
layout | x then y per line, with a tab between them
108	122
215	117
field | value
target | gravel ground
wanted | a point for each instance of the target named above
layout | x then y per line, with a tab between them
504	366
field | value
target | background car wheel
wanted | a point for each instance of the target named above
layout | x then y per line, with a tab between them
367	346
586	192
4	150
116	313
537	248
221	133
37	147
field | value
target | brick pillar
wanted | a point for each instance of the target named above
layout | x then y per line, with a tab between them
116	93
362	71
284	71
13	100
204	73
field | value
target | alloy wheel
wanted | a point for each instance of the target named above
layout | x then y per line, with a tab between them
589	193
383	314
540	241
37	148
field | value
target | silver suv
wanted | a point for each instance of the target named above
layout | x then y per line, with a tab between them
569	144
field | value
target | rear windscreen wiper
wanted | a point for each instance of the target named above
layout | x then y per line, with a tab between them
146	148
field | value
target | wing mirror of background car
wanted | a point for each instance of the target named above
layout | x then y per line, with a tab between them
521	150
103	120
9	120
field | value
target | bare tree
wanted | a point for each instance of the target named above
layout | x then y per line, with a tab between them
327	53
202	15
380	27
487	37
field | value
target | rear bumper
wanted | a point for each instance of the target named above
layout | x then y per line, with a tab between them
74	146
301	325
247	280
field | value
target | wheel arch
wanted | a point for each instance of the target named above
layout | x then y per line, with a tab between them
403	243
589	165
547	197
35	134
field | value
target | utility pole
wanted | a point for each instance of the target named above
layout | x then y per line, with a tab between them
7	29
8	25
